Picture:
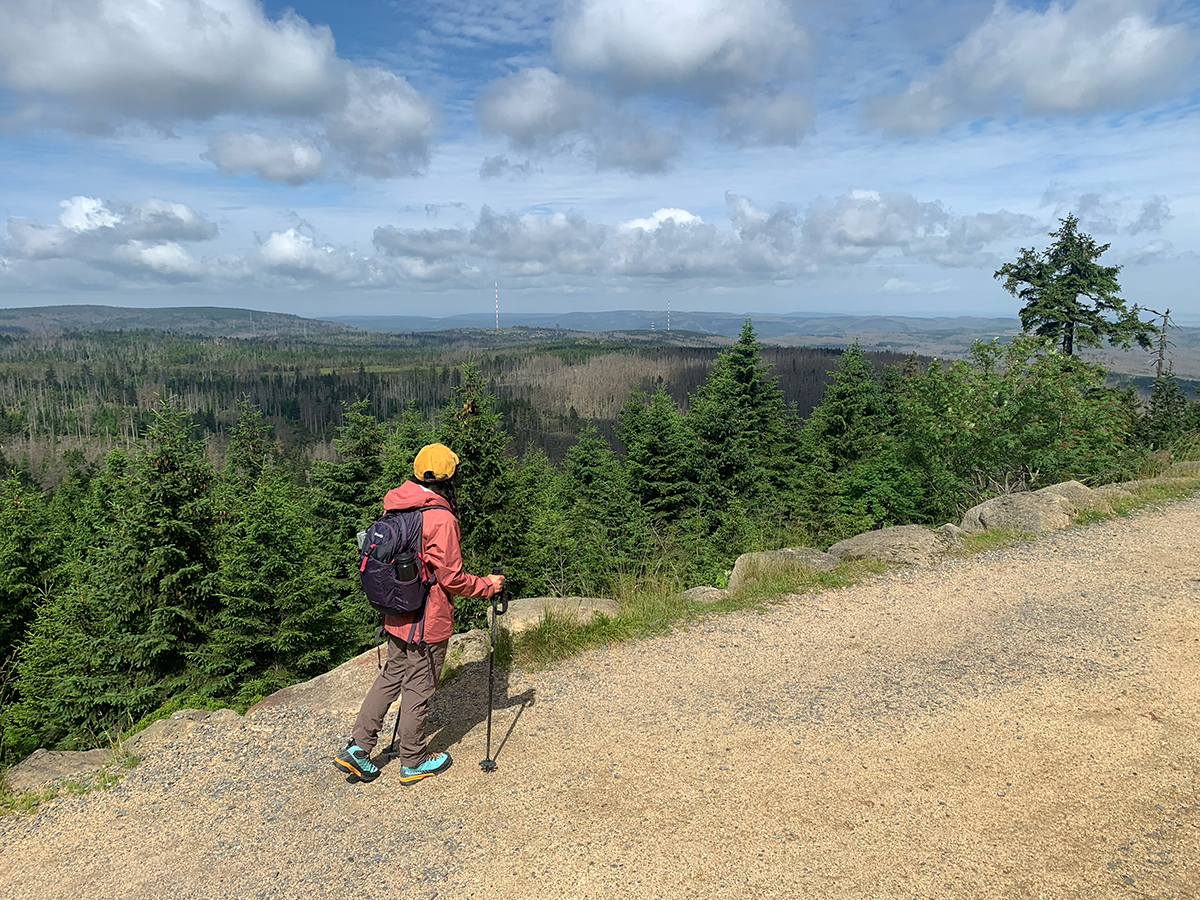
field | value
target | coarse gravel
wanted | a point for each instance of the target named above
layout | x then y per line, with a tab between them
1024	723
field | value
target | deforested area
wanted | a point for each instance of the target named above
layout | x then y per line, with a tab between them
179	514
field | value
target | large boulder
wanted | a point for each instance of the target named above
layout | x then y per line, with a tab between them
178	726
339	690
43	766
912	545
469	647
527	611
754	565
1033	511
1080	495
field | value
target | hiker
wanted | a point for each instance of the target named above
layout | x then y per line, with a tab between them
414	662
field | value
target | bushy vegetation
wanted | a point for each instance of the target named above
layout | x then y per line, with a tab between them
157	574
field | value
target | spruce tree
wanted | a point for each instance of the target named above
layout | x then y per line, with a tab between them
473	429
660	458
30	551
279	620
1069	297
125	635
743	429
852	475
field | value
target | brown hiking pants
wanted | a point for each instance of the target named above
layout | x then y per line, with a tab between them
408	673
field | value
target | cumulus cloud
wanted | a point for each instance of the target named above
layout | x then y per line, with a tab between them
675	244
272	158
1104	213
1092	56
692	46
1154	214
533	106
384	125
110	244
141	239
779	119
93	66
540	111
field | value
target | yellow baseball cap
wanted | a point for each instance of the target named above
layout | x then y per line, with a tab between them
435	462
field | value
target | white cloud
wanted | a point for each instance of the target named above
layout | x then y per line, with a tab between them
167	259
772	119
693	46
93	65
533	106
668	214
1092	56
138	240
1105	213
113	244
384	126
903	286
542	112
272	158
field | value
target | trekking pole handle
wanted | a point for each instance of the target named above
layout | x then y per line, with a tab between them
503	596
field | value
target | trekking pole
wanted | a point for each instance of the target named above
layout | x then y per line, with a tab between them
489	764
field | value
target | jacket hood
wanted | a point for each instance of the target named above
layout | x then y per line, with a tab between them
410	495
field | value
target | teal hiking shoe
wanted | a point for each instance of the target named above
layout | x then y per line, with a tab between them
355	760
431	765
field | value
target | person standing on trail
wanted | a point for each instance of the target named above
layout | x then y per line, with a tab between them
414	665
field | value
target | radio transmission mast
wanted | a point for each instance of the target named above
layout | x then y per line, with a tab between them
497	306
668	313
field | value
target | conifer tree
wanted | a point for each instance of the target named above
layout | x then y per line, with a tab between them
123	638
593	528
853	477
1069	297
29	556
743	429
279	620
660	458
472	428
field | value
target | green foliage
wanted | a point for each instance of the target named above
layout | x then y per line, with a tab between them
1069	297
152	581
29	553
743	430
852	475
1015	414
1168	414
278	622
660	458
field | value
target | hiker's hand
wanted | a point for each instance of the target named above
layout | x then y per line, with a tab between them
497	583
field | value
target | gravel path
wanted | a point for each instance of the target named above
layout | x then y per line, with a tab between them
1024	724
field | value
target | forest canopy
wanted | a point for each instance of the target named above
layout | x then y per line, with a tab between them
179	515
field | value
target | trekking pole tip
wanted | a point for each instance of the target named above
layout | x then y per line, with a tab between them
487	765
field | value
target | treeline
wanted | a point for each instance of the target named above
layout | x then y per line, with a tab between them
155	577
96	391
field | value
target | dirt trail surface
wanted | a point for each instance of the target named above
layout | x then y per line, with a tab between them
1019	724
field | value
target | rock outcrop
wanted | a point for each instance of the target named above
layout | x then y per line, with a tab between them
43	766
1081	496
1034	511
912	545
178	726
753	565
527	611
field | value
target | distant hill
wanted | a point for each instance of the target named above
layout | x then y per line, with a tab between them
769	326
208	321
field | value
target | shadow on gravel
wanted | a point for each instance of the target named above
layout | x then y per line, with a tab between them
459	706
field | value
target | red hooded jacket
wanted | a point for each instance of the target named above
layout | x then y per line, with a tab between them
442	555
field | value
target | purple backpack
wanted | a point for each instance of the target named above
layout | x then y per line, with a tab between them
391	567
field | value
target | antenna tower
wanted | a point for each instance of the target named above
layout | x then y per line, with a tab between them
668	313
497	306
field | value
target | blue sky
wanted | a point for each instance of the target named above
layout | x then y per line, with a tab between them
741	155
